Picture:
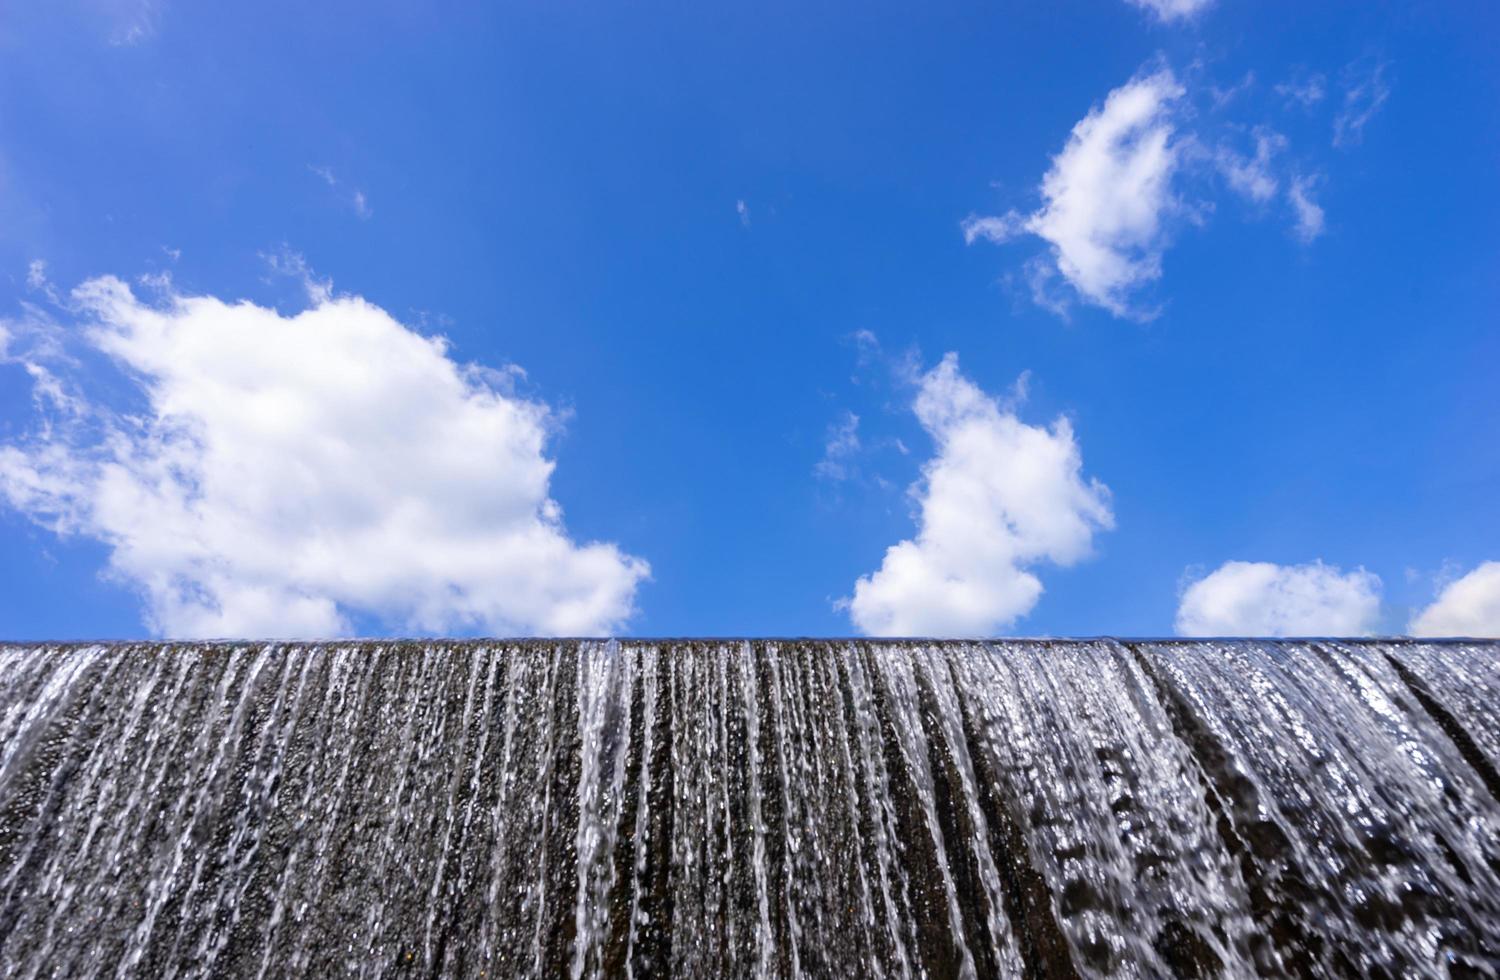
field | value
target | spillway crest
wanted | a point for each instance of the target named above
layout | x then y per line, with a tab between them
737	809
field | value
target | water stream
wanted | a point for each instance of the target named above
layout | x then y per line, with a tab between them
744	809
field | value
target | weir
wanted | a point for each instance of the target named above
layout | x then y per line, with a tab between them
751	808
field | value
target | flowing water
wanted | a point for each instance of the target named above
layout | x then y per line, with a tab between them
736	809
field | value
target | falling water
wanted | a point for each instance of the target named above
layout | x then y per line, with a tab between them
735	809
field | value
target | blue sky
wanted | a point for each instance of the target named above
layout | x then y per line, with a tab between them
672	249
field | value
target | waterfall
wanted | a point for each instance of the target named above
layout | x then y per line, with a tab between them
750	808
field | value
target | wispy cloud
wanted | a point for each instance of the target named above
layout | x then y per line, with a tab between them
1309	214
1252	176
1304	90
1365	91
356	197
36	274
1172	10
743	210
840	445
37	281
1224	96
133	21
288	264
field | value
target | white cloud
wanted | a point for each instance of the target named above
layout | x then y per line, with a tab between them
1224	96
1170	10
1252	176
295	475
292	265
357	199
1306	92
840	446
1105	197
1255	178
1469	606
1365	91
1135	169
999	496
130	21
1243	598
743	210
1309	213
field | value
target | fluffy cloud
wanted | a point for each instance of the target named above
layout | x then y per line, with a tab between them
1105	197
999	497
1469	606
1243	598
1141	165
285	475
1170	10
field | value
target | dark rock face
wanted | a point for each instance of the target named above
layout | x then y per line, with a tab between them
763	808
